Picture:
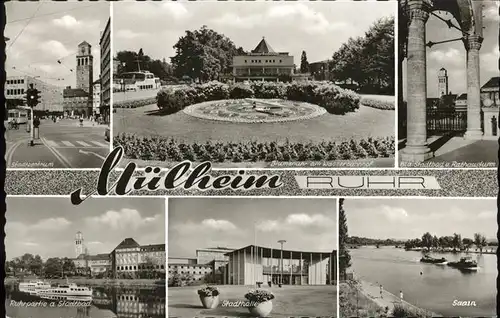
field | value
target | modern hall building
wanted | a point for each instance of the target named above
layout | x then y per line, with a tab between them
263	64
252	264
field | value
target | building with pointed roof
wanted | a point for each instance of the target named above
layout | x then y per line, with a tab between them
263	64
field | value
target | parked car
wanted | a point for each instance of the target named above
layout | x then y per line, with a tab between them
106	134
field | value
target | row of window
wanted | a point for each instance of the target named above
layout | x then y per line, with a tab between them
188	272
83	61
18	91
16	81
190	267
135	267
146	86
265	61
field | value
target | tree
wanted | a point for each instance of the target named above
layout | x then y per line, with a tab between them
53	267
457	241
435	241
68	267
203	54
480	241
344	256
304	64
467	243
427	240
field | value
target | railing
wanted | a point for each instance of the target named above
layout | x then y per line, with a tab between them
446	121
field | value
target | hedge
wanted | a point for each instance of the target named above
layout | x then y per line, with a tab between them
135	103
168	149
333	98
377	103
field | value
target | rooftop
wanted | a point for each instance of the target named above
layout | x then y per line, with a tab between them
494	82
263	47
74	92
128	243
276	252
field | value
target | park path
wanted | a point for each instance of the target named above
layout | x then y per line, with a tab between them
388	300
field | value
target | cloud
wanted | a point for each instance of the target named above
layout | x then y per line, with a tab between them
487	215
309	220
394	214
207	225
66	21
222	225
491	13
298	221
128	34
94	243
30	244
177	10
449	55
54	48
268	226
122	220
298	14
51	224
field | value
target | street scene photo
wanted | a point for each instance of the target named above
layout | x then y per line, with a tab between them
252	257
448	99
418	257
261	84
57	90
104	259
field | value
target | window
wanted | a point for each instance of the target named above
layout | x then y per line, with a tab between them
245	61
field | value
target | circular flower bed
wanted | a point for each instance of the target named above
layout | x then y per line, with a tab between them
251	110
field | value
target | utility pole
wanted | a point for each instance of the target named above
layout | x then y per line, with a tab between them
281	271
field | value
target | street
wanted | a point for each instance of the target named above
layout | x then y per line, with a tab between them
64	144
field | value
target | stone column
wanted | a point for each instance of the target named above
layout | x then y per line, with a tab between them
472	45
416	149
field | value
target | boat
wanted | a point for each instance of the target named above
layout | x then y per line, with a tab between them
67	298
432	260
68	290
33	287
466	263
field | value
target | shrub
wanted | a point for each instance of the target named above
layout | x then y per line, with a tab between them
376	103
401	311
259	295
208	291
333	98
134	103
168	149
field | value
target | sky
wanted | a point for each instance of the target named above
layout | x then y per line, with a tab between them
452	56
411	218
319	28
52	34
47	226
305	224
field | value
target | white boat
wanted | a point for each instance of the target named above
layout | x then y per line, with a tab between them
33	287
66	290
67	298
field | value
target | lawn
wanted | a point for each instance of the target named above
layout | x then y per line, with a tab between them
354	303
298	301
147	121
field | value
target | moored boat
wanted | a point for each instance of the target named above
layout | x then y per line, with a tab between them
432	260
466	263
33	287
66	290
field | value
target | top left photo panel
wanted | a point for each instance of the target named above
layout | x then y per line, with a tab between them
57	89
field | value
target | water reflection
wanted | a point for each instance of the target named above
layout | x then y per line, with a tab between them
106	302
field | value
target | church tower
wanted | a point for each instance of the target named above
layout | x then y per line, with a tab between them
79	244
442	82
85	71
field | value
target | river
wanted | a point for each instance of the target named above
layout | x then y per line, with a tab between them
107	302
437	287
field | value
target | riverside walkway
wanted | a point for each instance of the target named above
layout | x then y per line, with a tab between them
388	300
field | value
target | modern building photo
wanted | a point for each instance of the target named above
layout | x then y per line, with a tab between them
240	245
263	84
448	83
418	257
114	248
54	114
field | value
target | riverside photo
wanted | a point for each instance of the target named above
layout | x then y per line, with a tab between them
418	257
262	84
104	259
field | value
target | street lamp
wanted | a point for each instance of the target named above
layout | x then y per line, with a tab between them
281	271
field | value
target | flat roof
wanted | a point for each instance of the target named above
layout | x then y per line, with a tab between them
276	252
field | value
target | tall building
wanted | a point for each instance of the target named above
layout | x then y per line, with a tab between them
129	257
78	101
51	96
105	45
442	82
79	244
96	99
263	64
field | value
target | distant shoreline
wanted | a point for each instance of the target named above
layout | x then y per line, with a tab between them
486	251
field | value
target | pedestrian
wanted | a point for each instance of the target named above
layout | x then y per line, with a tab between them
381	292
401	295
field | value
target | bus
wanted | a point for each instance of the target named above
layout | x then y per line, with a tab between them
143	80
18	116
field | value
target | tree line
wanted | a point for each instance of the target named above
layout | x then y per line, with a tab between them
356	240
204	55
455	242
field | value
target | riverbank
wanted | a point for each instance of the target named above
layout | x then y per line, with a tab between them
98	282
488	251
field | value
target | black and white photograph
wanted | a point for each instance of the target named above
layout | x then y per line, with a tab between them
264	84
448	102
57	90
252	257
105	259
418	257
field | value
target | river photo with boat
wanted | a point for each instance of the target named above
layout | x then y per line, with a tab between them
441	289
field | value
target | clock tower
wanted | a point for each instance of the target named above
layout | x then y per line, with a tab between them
85	70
